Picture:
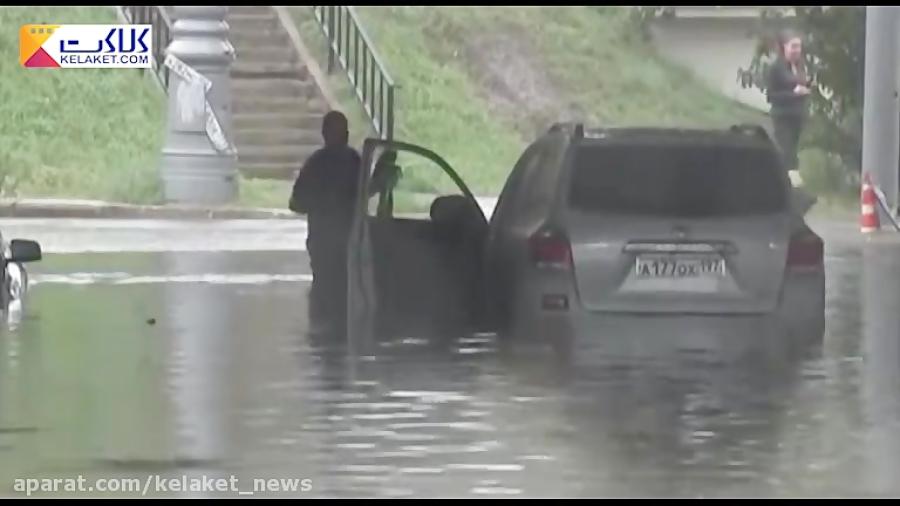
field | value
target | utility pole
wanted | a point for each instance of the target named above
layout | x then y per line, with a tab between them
881	106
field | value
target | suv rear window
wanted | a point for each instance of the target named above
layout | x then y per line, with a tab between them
680	180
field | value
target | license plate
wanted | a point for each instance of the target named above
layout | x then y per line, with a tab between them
678	268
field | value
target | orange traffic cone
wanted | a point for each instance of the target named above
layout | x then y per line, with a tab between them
869	218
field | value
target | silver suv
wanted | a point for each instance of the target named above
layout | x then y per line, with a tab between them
651	222
592	224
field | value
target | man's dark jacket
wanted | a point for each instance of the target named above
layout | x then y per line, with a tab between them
325	191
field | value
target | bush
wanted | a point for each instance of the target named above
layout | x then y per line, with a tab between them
824	174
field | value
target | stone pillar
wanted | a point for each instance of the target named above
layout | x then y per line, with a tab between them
195	167
881	107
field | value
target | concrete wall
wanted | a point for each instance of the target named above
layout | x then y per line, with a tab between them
713	47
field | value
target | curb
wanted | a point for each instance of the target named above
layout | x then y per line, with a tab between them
39	208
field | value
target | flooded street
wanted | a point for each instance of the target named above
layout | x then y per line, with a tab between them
197	362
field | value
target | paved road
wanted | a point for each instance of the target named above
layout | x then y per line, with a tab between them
112	235
79	235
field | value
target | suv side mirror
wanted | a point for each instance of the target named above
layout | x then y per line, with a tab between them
22	251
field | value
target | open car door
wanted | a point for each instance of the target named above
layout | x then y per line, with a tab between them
416	248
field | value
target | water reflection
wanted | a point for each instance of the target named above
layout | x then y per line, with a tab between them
881	337
227	381
197	321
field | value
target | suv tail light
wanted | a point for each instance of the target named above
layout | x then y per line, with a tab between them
805	250
550	248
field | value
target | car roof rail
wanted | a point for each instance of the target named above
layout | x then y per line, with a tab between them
556	127
568	126
751	129
579	131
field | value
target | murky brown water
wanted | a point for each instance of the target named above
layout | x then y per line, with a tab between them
126	365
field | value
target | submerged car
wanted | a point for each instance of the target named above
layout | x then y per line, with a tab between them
13	276
590	224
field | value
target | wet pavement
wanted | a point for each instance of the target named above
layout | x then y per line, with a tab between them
197	363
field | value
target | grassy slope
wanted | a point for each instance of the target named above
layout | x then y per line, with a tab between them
604	65
589	54
87	133
97	133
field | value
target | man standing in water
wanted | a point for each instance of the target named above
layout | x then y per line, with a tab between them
325	191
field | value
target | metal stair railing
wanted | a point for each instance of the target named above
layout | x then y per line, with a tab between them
159	19
350	46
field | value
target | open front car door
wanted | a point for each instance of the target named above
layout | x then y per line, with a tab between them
416	248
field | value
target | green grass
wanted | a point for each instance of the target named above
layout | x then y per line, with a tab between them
81	133
85	133
592	58
98	133
309	30
265	193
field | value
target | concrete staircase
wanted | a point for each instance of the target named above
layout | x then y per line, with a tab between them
278	106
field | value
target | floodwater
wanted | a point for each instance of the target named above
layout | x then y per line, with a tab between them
197	363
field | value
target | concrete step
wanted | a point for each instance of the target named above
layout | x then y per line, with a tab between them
250	9
237	14
283	153
245	67
266	54
275	104
249	121
276	136
253	23
243	39
273	87
255	88
266	170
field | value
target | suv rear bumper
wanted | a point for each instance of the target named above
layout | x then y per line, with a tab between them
798	320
